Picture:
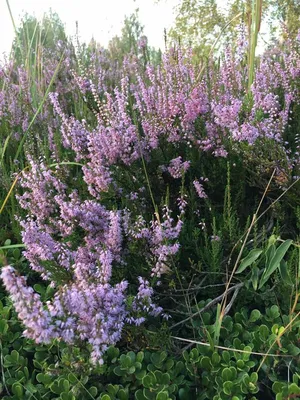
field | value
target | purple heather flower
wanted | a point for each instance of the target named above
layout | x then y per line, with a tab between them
29	307
177	167
200	189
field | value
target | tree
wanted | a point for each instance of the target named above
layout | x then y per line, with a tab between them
199	22
34	35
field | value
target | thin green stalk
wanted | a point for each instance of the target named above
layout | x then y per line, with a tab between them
12	246
11	189
255	27
27	64
4	148
149	188
256	353
15	28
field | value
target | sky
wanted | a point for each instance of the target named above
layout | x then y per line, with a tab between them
101	19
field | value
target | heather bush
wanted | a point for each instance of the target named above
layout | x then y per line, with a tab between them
136	186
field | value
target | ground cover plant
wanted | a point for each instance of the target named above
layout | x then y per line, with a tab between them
149	219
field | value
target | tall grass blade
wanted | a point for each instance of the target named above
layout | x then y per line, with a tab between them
4	148
275	261
39	108
218	324
247	261
11	189
255	28
12	246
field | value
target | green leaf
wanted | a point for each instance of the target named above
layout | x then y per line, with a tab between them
254	277
254	377
112	352
227	387
226	374
162	396
285	273
158	358
264	332
184	394
125	361
206	363
93	391
294	389
131	370
169	364
41	356
105	397
123	395
30	387
194	354
270	252
233	373
132	356
65	384
112	389
254	316
39	288
277	387
249	259
72	378
16	254
246	356
140	374
17	389
215	358
293	350
147	381
44	378
3	327
67	396
273	312
226	356
15	356
140	356
119	371
275	261
37	364
55	388
165	379
139	395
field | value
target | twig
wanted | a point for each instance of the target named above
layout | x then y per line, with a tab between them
228	307
232	349
210	304
183	292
